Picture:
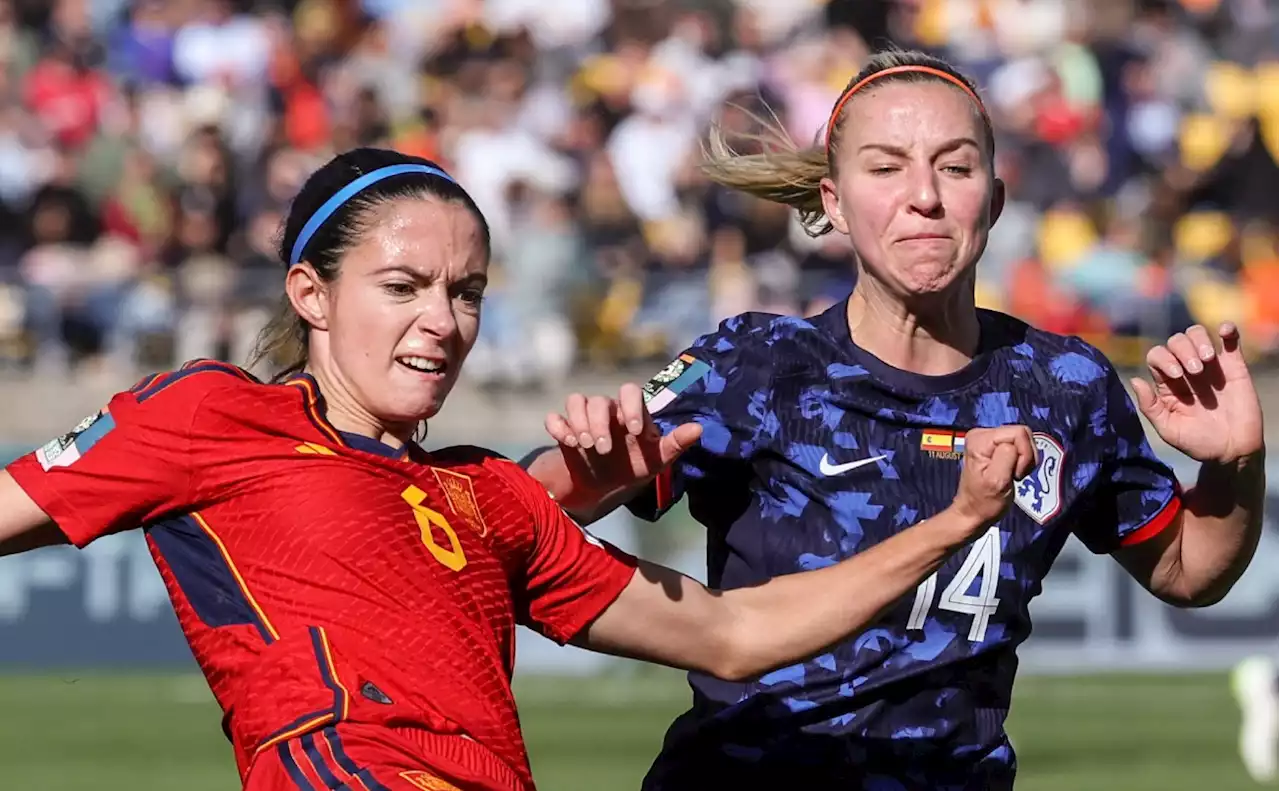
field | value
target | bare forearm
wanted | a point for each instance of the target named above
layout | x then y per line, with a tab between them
46	535
799	615
23	526
1221	525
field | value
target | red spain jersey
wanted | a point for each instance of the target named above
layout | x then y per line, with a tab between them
322	577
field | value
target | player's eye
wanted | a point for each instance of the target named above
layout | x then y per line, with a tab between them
472	296
399	288
958	170
882	170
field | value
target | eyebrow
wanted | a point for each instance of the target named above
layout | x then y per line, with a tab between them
473	277
949	146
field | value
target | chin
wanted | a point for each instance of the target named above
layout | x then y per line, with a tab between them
927	278
412	407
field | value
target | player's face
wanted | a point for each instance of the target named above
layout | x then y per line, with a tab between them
915	191
404	310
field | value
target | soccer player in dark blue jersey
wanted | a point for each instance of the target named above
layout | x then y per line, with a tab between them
823	437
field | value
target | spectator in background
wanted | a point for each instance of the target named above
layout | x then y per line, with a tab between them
174	127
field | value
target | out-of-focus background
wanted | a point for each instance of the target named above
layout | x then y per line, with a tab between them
148	151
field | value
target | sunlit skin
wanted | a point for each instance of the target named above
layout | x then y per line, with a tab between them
916	194
410	288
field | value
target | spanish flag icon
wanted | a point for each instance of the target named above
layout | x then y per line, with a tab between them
936	440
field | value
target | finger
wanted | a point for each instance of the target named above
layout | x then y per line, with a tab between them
1185	352
1026	447
559	430
575	408
680	439
1162	364
1148	404
1231	358
1004	462
631	401
1202	343
600	412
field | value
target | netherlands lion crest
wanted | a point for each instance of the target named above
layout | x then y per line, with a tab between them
1039	494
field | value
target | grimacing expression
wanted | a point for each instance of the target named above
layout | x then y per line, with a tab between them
404	311
914	187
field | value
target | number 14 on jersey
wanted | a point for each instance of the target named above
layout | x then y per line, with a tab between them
982	562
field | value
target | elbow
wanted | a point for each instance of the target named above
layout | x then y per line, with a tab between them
731	654
1192	595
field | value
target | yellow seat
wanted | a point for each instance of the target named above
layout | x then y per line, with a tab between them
1231	90
1064	237
1201	235
1202	141
1212	302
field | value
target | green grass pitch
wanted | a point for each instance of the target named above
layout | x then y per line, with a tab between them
144	733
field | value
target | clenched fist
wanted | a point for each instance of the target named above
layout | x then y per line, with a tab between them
993	459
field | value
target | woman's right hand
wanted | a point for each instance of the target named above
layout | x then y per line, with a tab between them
993	459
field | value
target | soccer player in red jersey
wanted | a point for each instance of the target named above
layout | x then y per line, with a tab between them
352	598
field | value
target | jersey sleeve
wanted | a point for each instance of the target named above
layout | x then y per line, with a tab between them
1136	495
723	383
570	576
120	468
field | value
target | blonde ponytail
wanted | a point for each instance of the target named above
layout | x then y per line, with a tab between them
781	172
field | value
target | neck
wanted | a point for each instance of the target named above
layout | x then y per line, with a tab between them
939	336
344	412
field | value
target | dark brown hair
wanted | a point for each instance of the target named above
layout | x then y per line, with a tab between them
283	342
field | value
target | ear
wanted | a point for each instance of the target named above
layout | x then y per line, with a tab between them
308	295
831	205
997	201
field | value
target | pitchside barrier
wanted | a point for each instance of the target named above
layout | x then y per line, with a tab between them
105	607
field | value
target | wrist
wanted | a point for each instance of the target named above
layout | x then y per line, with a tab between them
960	522
1237	463
549	469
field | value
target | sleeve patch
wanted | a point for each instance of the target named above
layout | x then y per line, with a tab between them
673	380
67	449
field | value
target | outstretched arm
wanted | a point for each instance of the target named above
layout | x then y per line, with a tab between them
664	617
23	525
1203	402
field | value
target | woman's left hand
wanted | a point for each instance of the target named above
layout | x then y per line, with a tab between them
1203	401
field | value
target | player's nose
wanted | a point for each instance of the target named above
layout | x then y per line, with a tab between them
435	317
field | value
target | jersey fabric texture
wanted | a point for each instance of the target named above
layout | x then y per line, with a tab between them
813	450
325	578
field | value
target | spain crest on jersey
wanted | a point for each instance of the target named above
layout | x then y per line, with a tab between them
1039	494
461	495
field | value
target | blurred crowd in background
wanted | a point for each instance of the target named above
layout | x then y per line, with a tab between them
149	149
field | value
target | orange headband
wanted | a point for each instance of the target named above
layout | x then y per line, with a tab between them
860	84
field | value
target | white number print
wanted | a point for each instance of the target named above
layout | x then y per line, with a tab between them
984	560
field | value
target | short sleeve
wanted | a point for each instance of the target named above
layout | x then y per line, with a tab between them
570	576
1136	495
723	383
120	468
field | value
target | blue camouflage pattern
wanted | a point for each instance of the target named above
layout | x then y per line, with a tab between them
792	413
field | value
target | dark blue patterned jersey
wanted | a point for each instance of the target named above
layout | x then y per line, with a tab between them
813	450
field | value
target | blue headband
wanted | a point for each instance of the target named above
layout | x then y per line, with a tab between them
346	193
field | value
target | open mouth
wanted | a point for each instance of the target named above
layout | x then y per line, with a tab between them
424	365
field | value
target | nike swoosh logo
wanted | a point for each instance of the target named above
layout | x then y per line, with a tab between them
827	468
